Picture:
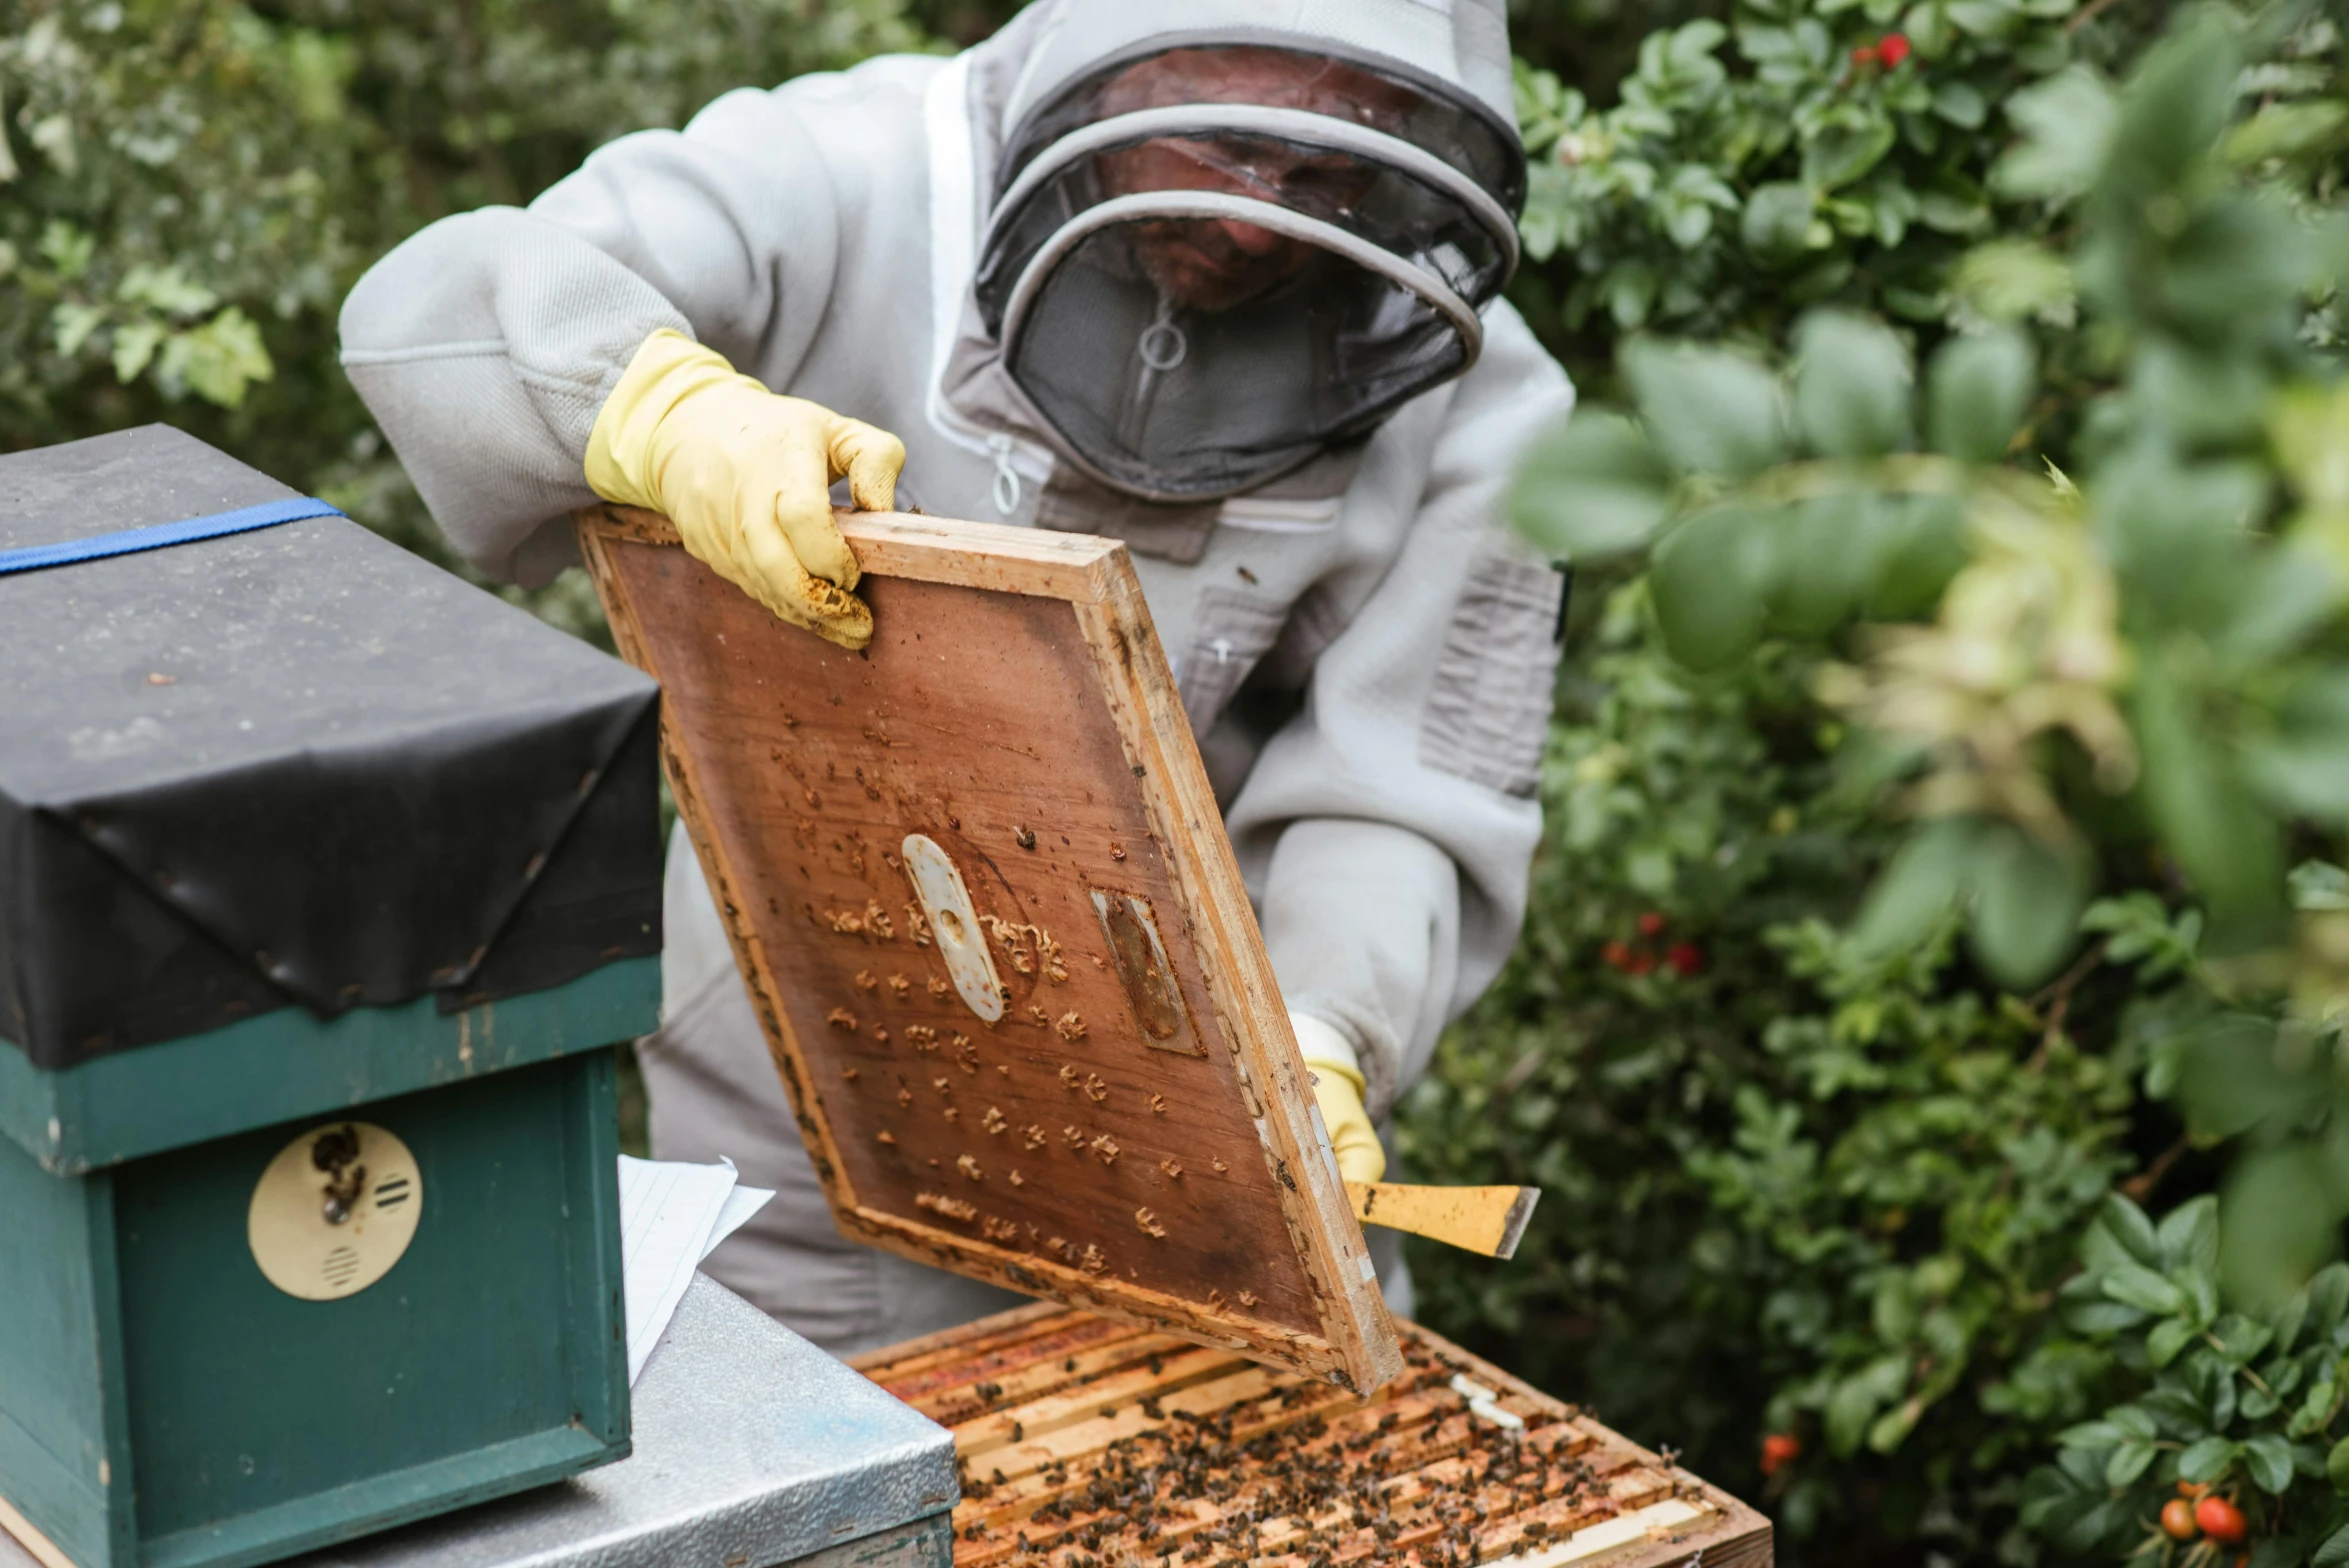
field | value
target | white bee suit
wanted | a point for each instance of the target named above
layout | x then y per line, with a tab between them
1366	657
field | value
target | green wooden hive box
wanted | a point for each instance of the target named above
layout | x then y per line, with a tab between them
326	883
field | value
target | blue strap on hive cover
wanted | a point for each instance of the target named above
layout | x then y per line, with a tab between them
158	536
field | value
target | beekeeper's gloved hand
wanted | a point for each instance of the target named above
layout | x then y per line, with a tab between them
1337	1089
744	474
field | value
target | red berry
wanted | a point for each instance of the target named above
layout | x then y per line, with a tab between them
1892	49
1651	923
1641	963
1615	955
1686	958
1863	57
2177	1519
2219	1519
1780	1449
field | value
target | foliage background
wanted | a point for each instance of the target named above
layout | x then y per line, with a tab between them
1795	1183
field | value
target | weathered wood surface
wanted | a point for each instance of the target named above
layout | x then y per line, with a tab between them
1086	1443
1139	1148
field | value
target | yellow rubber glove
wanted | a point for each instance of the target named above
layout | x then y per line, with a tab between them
745	473
1337	1089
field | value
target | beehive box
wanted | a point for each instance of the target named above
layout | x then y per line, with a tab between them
1087	1443
977	883
330	882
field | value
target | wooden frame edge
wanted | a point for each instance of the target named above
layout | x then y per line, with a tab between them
1176	791
922	549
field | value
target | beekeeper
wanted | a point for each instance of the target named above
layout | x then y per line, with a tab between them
1216	277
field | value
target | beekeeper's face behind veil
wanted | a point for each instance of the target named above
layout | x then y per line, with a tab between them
1215	253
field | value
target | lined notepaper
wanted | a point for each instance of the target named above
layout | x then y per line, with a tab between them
671	1215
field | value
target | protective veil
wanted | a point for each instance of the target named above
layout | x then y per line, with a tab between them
1213	253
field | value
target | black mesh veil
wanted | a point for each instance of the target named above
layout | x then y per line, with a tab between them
1200	289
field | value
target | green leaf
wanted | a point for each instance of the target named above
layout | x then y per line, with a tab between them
2214	1381
219	360
2229	1079
2335	1551
73	324
2279	1220
2304	765
2206	1460
2328	1299
2176	1406
2132	1284
2177	101
2282	130
1851	1408
1848	144
2169	1336
1978	388
1961	103
134	345
1982	18
1780	223
1918	890
2128	1462
2337	1471
2241	1337
2068	124
2293	595
1927	548
2221	837
2098	1319
1892	1428
2189	1235
2027	902
1826	555
2009	280
2092	1434
2289	1319
1708	410
2125	1224
166	289
1852	385
2268	1458
1710	587
1595	489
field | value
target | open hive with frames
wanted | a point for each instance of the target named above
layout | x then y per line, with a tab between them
1087	1443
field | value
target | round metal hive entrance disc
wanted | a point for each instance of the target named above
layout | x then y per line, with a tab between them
335	1210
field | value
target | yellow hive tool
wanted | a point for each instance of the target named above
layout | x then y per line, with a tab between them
1486	1220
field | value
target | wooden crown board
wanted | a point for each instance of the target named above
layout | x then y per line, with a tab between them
1132	1135
1085	1443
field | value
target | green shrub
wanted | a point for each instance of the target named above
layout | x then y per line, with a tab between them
2243	1407
1788	1187
2101	703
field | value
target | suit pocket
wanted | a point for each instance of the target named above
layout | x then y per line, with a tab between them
1488	712
1230	633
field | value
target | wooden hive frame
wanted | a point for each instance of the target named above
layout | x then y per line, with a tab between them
1085	1443
1176	1177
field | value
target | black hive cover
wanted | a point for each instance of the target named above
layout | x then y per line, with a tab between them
294	766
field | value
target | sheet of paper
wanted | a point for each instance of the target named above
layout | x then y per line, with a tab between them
740	1205
670	1217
